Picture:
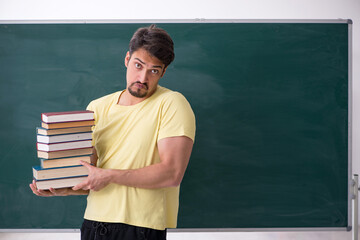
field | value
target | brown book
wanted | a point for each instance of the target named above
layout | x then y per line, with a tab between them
64	162
65	153
67	124
59	183
57	131
62	172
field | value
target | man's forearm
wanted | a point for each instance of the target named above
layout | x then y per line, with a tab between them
174	157
154	176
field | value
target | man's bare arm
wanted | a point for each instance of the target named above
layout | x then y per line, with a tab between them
174	155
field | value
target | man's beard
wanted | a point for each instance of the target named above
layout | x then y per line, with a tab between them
138	93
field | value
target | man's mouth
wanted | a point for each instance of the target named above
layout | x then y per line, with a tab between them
141	85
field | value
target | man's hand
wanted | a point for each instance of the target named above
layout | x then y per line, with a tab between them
55	192
49	193
97	179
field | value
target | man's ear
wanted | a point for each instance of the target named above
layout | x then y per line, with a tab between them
127	59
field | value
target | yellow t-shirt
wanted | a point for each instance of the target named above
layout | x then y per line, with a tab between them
125	137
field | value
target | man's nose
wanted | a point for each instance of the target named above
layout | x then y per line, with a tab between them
143	77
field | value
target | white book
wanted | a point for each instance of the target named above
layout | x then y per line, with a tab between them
63	146
70	116
64	138
59	183
61	172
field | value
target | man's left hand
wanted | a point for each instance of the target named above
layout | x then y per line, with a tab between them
97	179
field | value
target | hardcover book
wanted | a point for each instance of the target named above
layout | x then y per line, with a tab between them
63	162
67	124
64	138
57	131
63	146
59	183
70	116
62	172
65	153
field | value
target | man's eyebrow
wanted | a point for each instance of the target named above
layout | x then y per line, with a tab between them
140	60
155	66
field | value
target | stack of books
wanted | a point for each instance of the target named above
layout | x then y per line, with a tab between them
63	140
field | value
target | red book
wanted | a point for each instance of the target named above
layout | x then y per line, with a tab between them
71	116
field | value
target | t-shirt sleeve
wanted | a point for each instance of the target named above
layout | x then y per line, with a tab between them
177	118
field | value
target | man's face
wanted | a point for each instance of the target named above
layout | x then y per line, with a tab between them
143	73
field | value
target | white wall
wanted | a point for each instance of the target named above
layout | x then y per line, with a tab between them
208	9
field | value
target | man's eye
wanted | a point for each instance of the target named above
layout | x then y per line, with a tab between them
155	71
137	65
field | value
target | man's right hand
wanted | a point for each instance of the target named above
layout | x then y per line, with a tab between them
55	192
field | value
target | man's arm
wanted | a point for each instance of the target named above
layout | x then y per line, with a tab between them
174	155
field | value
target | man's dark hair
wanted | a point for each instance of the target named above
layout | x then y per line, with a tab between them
154	40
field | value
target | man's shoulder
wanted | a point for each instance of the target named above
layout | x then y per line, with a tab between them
167	94
172	99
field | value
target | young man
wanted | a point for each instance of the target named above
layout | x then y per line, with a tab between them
143	140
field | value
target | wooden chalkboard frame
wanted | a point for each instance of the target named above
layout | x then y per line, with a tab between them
200	20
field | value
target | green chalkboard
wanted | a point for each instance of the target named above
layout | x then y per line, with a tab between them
271	102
